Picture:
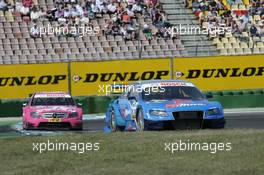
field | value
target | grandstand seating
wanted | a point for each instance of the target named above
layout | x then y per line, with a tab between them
240	41
18	46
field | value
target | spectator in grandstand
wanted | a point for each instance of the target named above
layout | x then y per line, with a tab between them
34	31
27	3
50	14
165	34
126	19
242	25
115	30
147	31
153	13
235	30
130	12
59	15
111	8
67	13
43	14
35	14
100	6
137	8
254	30
108	27
59	1
130	2
3	5
231	2
84	19
23	10
128	33
159	33
74	12
124	15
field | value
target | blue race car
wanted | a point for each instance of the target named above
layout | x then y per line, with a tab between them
163	104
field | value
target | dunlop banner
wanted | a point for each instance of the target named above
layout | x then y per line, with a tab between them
223	72
19	81
96	78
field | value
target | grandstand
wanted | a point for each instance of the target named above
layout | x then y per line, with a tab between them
128	29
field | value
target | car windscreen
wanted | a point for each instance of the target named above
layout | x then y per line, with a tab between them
54	101
172	92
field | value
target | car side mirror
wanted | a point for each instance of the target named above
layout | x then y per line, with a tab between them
79	104
209	95
24	104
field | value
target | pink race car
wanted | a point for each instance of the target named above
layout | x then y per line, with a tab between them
52	110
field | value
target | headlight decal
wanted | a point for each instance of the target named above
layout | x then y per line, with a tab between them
213	111
160	113
34	115
73	114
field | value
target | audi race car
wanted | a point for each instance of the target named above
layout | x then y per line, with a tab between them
159	104
52	110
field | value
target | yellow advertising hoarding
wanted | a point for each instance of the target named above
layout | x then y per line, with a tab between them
19	81
96	78
223	72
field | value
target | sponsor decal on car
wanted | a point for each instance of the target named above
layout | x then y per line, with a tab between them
52	95
184	105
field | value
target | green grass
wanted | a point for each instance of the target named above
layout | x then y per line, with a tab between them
9	121
5	127
137	153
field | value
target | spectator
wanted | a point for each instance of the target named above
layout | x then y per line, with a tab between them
147	32
126	18
100	6
3	5
35	14
108	28
130	12
136	8
27	3
253	30
84	19
115	30
111	8
123	19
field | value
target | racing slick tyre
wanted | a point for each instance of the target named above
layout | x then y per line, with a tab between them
77	129
25	126
140	120
113	125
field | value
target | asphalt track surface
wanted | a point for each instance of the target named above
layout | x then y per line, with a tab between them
254	120
239	118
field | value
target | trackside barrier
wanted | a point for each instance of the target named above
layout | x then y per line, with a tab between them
99	104
93	78
91	105
222	72
215	74
21	80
